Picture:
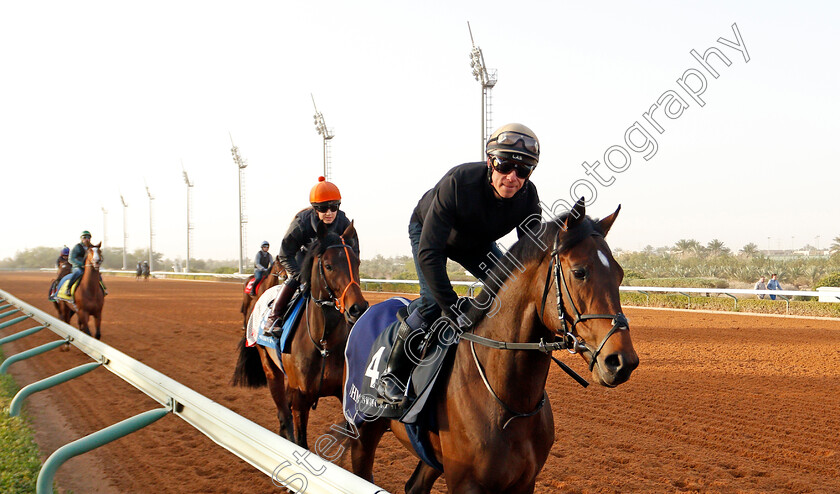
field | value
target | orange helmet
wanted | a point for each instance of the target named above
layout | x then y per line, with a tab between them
324	192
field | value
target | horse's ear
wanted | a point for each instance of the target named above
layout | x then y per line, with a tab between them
350	232
99	245
607	222
575	216
322	230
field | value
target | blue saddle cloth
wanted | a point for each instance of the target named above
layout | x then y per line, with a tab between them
284	343
366	355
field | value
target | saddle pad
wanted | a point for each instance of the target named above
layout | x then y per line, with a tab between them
359	399
249	285
258	317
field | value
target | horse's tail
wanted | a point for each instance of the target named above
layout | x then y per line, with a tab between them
249	371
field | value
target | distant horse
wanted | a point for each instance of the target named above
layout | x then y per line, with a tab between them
315	367
139	272
89	297
146	272
272	279
63	270
495	424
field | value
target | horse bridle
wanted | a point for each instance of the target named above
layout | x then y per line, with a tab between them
572	341
568	339
337	302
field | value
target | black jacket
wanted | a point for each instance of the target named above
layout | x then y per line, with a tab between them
461	219
301	232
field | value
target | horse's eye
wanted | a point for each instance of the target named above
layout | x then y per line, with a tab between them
328	267
579	273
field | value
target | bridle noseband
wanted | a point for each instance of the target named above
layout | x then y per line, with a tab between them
570	339
337	302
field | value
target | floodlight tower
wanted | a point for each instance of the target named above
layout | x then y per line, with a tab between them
104	225
125	234
189	226
487	78
151	233
327	134
241	164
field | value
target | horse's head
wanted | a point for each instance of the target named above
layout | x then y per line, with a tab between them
589	315
334	272
94	256
277	268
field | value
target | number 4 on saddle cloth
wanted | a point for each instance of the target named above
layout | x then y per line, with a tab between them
263	308
366	354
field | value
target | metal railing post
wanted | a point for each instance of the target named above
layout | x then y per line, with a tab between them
93	441
46	347
22	334
735	298
11	321
5	306
17	401
689	298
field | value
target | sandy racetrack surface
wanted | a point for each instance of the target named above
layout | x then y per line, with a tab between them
719	403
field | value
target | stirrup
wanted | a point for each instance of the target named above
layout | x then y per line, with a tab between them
383	399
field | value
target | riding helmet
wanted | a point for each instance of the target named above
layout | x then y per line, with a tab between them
86	234
324	192
65	251
514	141
264	244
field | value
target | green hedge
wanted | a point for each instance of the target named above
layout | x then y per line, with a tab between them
765	306
19	457
679	282
832	279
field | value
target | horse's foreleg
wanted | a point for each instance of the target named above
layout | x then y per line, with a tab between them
97	320
422	480
300	413
363	449
277	387
82	317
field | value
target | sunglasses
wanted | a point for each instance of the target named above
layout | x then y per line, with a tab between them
511	139
326	206
504	167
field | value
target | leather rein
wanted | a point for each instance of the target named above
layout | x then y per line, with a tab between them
569	339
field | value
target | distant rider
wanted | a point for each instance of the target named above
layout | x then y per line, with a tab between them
262	263
325	199
77	260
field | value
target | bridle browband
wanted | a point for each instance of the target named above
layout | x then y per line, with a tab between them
569	340
332	300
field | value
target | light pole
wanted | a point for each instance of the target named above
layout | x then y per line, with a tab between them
487	78
241	164
327	134
189	227
104	226
151	233
125	234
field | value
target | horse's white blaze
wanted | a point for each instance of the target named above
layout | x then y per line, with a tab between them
603	258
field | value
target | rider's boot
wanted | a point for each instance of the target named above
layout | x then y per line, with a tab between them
279	307
392	384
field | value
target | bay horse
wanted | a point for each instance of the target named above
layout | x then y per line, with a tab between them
315	366
495	425
272	279
89	297
63	270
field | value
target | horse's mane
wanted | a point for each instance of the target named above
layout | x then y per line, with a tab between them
528	251
314	249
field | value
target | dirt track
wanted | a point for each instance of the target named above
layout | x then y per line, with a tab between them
719	403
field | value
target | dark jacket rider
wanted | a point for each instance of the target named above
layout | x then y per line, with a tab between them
461	218
325	199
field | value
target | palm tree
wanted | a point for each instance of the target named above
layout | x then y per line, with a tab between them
835	247
749	250
716	248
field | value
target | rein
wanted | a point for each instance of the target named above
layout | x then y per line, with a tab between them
569	339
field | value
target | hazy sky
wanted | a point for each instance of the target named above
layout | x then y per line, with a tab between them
97	97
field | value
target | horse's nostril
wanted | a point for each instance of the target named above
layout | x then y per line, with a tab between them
613	363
